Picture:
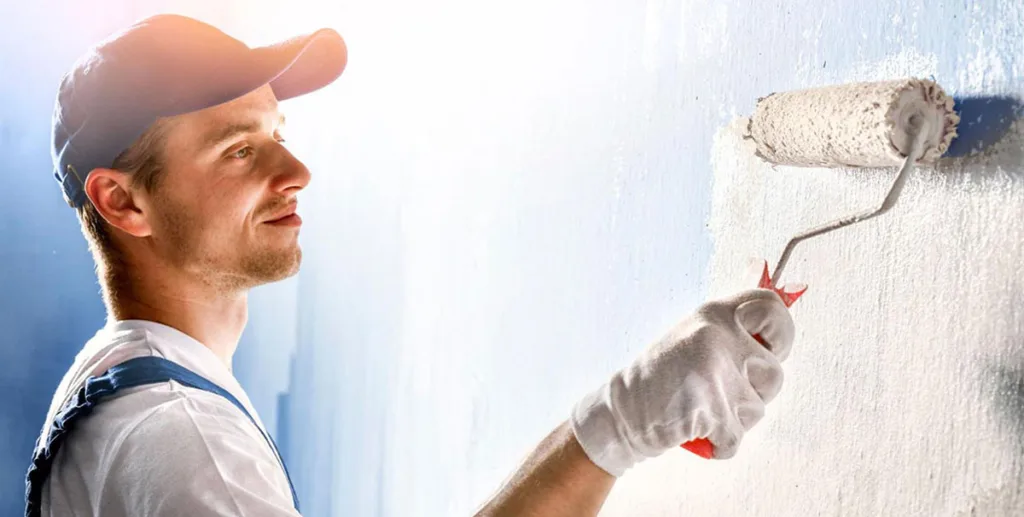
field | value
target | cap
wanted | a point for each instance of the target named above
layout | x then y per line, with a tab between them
168	65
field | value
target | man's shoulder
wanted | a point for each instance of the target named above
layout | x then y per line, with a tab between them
111	347
195	445
104	350
160	410
165	410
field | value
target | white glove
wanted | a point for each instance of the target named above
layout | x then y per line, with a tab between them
707	378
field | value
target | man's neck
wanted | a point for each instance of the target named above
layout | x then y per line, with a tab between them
212	316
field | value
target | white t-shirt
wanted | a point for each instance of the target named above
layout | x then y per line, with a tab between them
162	449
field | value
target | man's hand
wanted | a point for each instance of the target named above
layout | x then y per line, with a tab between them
707	378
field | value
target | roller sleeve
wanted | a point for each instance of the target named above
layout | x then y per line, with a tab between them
859	124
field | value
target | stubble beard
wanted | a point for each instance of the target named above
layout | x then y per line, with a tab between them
226	271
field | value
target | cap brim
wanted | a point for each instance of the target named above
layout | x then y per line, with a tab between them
304	64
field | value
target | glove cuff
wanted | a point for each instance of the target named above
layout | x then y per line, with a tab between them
599	433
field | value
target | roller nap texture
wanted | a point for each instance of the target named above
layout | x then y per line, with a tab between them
860	124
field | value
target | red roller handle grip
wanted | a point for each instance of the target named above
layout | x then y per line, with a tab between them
702	446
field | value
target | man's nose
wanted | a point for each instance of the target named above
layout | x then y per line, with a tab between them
290	174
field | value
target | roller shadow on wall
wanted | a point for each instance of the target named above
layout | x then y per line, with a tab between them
1008	382
1009	401
998	122
984	120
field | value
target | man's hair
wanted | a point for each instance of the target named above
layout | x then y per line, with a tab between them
144	161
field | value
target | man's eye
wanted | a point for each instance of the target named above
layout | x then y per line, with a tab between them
242	153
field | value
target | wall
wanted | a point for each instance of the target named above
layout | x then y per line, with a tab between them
514	206
543	174
905	391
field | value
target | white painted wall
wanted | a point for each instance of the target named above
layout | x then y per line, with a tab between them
904	394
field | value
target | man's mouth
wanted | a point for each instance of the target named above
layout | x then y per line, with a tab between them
286	218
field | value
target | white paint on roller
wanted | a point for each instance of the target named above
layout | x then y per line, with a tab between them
863	124
904	394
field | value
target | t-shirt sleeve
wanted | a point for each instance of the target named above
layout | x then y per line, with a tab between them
195	455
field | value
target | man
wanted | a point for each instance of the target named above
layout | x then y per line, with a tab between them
167	141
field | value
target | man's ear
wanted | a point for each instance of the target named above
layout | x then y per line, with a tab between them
110	192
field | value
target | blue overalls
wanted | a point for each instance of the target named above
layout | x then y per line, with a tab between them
129	374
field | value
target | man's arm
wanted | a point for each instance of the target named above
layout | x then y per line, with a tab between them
556	479
707	378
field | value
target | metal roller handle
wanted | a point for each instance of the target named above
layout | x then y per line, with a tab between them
915	154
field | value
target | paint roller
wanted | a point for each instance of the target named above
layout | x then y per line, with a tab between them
874	124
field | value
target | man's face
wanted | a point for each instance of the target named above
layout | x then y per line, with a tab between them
223	208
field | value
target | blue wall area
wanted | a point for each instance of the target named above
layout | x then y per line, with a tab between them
50	301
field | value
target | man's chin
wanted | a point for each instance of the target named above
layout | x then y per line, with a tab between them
274	267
